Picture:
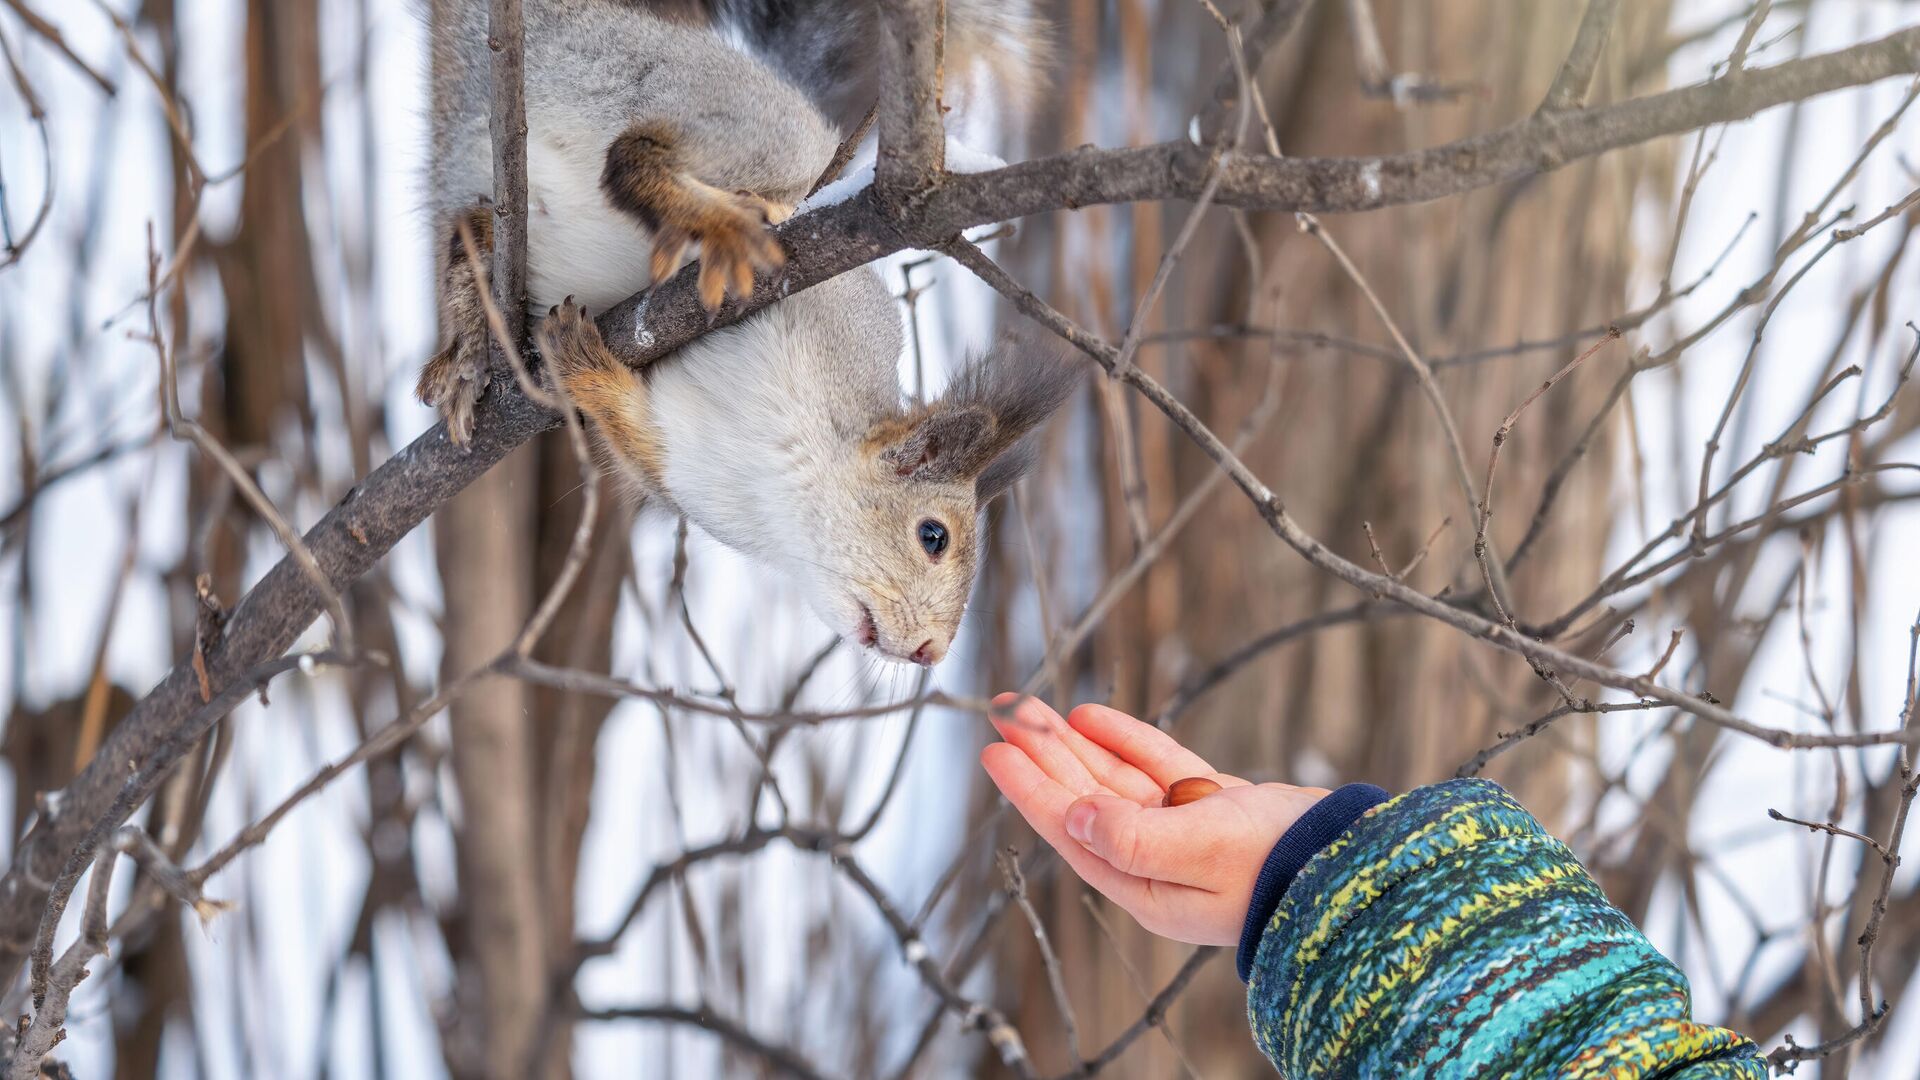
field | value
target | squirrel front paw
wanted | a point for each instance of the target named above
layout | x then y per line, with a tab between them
453	381
645	178
731	229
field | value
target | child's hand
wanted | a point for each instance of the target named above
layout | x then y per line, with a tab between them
1092	785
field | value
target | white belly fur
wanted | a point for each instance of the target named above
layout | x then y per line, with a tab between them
577	245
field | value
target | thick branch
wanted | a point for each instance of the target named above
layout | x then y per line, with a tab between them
355	534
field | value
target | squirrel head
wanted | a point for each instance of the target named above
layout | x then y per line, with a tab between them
905	555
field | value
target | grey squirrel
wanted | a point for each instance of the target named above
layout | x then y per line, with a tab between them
652	126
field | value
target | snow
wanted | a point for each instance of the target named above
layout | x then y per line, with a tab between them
961	158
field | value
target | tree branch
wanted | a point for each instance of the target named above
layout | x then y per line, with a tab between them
1326	559
1276	22
1569	90
506	38
729	1031
912	151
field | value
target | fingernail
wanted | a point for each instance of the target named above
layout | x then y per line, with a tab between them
1080	822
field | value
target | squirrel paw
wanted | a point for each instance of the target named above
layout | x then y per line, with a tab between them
453	381
731	229
573	349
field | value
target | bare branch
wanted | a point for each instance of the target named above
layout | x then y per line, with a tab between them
1831	829
848	147
1017	889
1482	549
730	1031
190	431
1737	61
1276	22
507	128
51	34
1156	1012
1569	89
1325	559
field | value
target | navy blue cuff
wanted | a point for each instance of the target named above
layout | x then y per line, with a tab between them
1321	825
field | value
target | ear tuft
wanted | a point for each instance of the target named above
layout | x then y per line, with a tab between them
1020	382
942	446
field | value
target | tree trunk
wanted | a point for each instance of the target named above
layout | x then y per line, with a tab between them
486	552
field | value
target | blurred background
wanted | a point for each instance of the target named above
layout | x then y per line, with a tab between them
407	920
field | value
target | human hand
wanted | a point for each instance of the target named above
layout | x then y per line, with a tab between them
1092	785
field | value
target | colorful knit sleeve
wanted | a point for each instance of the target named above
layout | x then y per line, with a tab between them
1447	934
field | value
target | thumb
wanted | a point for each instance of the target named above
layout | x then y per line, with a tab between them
1131	838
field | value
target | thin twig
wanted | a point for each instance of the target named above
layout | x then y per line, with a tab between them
1831	829
1056	979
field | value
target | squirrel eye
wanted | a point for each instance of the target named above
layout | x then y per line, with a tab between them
933	537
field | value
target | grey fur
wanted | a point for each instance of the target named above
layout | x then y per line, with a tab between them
596	67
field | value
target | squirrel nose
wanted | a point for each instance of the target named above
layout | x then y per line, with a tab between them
926	655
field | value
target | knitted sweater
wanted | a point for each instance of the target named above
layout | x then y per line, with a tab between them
1444	933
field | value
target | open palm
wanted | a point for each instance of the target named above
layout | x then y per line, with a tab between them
1092	785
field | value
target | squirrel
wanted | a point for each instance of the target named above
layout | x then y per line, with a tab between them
659	124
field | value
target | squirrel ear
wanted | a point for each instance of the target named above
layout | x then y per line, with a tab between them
945	445
1019	383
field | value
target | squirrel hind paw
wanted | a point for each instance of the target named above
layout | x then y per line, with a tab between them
570	343
453	381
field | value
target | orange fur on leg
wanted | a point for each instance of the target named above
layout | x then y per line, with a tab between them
611	394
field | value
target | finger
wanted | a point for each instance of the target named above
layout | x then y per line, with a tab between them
1145	747
1180	844
1106	769
1028	723
1043	803
1097	761
1109	771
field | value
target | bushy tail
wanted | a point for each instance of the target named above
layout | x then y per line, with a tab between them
826	47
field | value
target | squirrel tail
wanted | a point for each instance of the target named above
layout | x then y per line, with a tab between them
1005	39
825	47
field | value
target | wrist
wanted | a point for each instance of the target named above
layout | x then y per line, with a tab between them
1320	825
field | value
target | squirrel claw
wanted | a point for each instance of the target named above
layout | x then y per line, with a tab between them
669	246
